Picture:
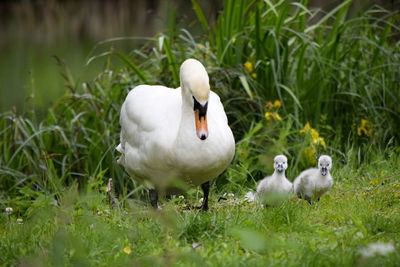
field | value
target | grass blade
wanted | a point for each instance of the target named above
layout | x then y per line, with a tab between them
131	65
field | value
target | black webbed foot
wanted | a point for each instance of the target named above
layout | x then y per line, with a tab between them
308	199
153	195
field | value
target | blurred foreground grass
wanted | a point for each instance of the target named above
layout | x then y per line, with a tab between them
362	208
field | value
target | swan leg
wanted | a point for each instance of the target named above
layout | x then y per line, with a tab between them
153	195
206	191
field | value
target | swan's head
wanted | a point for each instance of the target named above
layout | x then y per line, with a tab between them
280	163
196	89
324	164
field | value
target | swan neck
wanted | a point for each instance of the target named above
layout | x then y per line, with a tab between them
187	105
187	116
280	175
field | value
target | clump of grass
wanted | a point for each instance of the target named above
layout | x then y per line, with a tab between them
332	71
82	229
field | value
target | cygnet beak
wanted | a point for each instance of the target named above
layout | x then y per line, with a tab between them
280	168
324	171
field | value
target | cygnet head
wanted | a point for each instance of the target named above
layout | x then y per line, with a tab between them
324	164
280	163
196	90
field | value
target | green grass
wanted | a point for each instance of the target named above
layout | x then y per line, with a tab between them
329	70
362	208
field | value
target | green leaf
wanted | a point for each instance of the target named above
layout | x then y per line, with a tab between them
131	65
246	86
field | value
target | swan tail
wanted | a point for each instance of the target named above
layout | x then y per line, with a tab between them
119	148
121	159
250	197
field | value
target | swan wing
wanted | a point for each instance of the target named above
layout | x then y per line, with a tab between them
264	185
149	121
216	110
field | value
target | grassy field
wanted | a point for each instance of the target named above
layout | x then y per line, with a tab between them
293	81
82	230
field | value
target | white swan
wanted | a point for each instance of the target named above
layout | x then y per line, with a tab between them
277	184
174	137
313	183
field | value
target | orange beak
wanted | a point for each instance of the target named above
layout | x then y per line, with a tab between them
201	125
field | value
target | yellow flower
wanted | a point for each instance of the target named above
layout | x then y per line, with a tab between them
127	250
314	136
254	75
310	155
364	123
234	40
269	105
248	66
322	142
315	139
269	116
277	104
364	127
306	129
200	46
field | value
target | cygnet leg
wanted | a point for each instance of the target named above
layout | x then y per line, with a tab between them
307	198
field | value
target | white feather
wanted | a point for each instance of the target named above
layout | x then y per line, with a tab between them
277	183
159	144
311	183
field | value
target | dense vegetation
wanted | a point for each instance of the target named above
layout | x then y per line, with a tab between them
293	81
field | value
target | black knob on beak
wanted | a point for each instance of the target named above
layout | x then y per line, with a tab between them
280	167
